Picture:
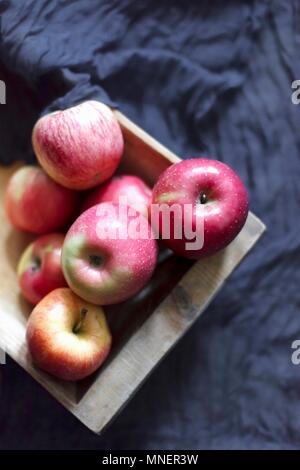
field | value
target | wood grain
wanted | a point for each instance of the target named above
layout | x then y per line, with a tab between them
145	328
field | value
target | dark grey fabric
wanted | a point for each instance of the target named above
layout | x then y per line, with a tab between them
205	78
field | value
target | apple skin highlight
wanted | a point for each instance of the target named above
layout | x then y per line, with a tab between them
68	337
215	193
79	147
103	270
35	203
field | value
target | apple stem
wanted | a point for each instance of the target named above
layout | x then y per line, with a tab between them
203	198
78	327
96	261
36	264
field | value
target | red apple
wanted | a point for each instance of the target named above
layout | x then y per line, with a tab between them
109	254
212	199
35	203
68	337
79	147
39	269
127	188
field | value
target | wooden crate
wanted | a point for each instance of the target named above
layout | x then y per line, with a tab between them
144	328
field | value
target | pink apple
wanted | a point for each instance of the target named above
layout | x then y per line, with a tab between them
79	147
109	254
216	196
130	188
39	269
68	337
35	203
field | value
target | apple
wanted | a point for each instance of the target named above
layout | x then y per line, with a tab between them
79	147
109	254
123	187
66	336
39	268
213	203
35	203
